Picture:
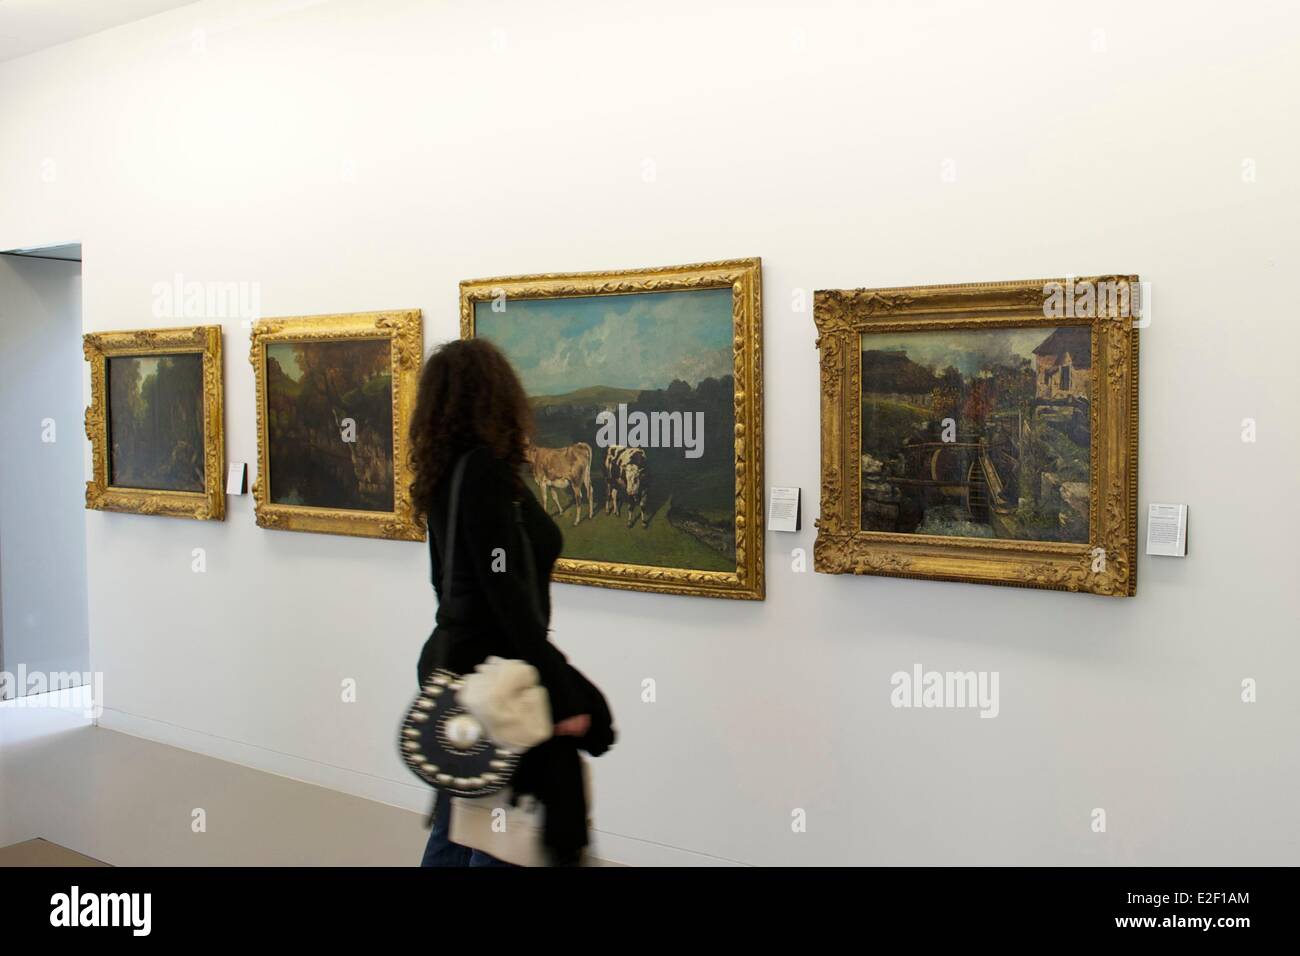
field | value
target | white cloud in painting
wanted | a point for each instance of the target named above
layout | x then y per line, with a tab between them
640	341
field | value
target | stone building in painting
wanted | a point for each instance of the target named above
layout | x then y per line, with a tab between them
1063	364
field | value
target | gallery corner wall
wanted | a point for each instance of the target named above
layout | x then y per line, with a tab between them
353	156
42	529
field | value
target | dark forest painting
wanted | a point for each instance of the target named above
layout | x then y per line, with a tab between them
977	433
329	408
155	422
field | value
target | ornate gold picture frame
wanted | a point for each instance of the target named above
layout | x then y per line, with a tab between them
676	345
164	453
335	395
984	433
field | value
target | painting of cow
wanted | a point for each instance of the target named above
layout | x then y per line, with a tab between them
566	467
634	403
627	474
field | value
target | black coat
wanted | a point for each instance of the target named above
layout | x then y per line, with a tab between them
552	772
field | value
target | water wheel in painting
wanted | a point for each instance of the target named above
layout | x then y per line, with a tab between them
977	492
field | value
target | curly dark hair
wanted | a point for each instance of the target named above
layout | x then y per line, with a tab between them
469	396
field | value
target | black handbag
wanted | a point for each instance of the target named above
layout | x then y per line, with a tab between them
441	742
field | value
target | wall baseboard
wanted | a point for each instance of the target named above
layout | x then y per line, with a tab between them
606	846
630	851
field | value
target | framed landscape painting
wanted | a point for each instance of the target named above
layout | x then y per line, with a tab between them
646	388
155	422
334	399
983	433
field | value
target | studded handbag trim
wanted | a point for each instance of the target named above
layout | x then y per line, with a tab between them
446	746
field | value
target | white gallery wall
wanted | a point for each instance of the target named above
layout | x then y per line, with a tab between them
353	155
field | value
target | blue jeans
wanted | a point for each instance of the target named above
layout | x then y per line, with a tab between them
440	851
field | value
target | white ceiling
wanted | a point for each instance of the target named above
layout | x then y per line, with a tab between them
30	25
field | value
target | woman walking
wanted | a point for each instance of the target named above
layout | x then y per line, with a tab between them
472	406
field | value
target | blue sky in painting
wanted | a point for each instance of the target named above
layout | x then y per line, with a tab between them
287	356
642	340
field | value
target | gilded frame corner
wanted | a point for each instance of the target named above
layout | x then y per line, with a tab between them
206	505
403	328
1107	563
744	277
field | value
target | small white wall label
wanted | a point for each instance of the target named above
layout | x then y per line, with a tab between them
237	478
1167	530
783	509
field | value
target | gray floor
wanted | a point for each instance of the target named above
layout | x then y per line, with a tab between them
131	802
125	801
43	853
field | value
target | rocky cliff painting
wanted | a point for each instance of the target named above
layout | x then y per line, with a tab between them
977	433
155	422
329	422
